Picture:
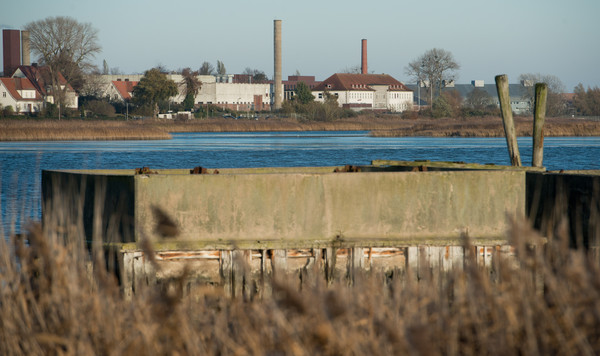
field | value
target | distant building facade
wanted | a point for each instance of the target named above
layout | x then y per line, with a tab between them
289	85
218	90
366	92
520	94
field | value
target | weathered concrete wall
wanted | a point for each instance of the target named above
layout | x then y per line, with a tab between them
298	204
305	206
243	224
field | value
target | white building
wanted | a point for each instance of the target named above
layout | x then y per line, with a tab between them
20	94
219	91
236	96
366	92
27	90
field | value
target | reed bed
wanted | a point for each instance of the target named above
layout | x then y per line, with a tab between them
490	127
56	298
70	129
379	125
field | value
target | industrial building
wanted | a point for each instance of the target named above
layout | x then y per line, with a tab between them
365	91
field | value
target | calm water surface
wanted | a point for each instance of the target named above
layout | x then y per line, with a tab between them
22	162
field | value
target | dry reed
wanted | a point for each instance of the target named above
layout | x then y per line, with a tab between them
59	130
53	302
380	125
490	127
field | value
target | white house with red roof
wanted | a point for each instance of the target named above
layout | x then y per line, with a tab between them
366	92
20	94
28	89
120	90
39	76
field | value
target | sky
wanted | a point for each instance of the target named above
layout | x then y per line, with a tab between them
320	38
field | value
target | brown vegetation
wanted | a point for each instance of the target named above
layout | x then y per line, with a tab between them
547	301
380	125
490	127
58	130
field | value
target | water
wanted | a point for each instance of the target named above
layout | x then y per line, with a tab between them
22	162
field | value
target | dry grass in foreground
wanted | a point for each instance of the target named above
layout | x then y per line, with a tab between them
545	302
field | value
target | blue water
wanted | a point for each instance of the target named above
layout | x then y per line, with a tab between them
22	162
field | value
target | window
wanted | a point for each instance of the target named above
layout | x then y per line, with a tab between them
4	94
320	95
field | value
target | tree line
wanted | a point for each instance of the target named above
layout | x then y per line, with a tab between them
67	47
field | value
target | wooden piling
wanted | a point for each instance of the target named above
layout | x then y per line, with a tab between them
539	115
507	119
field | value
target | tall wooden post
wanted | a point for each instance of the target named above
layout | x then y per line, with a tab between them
539	115
507	119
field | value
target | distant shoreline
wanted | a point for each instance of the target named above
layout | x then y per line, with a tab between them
381	126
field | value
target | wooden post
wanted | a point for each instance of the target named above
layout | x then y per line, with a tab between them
507	119
539	115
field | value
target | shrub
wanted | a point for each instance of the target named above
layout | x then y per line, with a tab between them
8	111
100	108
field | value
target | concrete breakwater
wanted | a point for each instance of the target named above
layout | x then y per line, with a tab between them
239	225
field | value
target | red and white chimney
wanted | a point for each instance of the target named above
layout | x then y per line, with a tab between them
363	66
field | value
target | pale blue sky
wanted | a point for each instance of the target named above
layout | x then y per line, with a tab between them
487	37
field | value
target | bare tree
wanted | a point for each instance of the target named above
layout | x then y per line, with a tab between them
257	76
478	99
221	68
555	103
352	70
190	86
93	85
206	69
433	68
66	47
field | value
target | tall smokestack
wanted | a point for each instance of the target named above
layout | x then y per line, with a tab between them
277	43
363	66
25	48
11	46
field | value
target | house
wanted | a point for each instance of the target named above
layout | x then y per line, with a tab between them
39	76
366	92
520	94
119	90
20	94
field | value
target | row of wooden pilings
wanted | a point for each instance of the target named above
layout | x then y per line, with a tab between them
539	115
243	272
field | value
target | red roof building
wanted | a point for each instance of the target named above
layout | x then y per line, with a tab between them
366	91
20	94
39	77
121	90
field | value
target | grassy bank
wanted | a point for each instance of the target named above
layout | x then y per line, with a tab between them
547	301
58	130
380	126
490	127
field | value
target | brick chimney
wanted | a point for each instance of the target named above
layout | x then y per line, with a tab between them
11	47
363	67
